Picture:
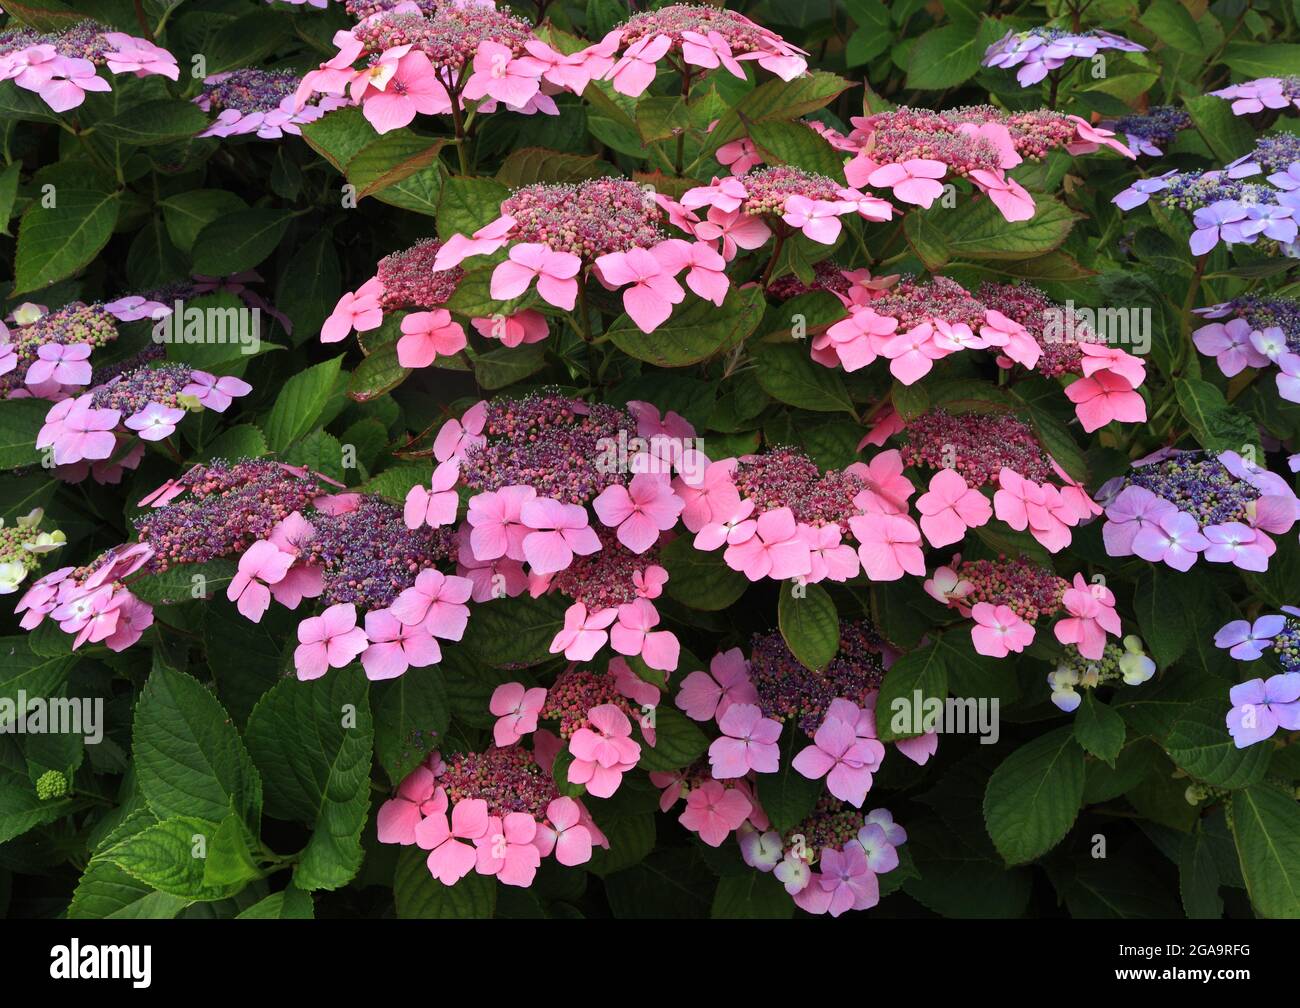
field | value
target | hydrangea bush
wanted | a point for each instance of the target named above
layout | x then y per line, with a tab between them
565	459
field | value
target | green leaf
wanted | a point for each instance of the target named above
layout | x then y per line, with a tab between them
809	624
796	144
678	742
773	101
1199	744
976	229
107	891
339	136
8	193
167	856
1034	796
467	204
693	333
1198	876
1250	59
300	403
1229	136
1098	728
924	670
1215	424
390	159
699	579
229	863
945	57
21	421
530	165
411	719
22	670
313	743
184	582
1173	25
377	374
239	241
289	904
188	758
419	896
21	810
751	896
787	796
789	375
1266	828
188	213
514	631
160	121
55	242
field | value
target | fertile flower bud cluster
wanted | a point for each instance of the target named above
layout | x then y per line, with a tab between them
1109	376
1156	128
496	813
22	545
62	67
1252	201
1126	662
1007	598
259	101
911	151
1178	506
148	401
47	354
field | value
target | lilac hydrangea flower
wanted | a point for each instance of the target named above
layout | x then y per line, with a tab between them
1261	706
1247	641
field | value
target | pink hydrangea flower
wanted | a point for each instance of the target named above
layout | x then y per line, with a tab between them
436	601
418	796
261	566
772	548
428	335
496	528
360	311
950	507
706	694
829	556
886	490
639	511
65	363
653	290
714	811
559	531
1092	616
889	546
844	757
1104	397
516	710
396	646
583	633
567	835
603	752
915	180
330	640
436	506
456	437
708	494
999	630
748	742
523	327
555	273
1022	503
216	393
450	860
155	421
634	634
